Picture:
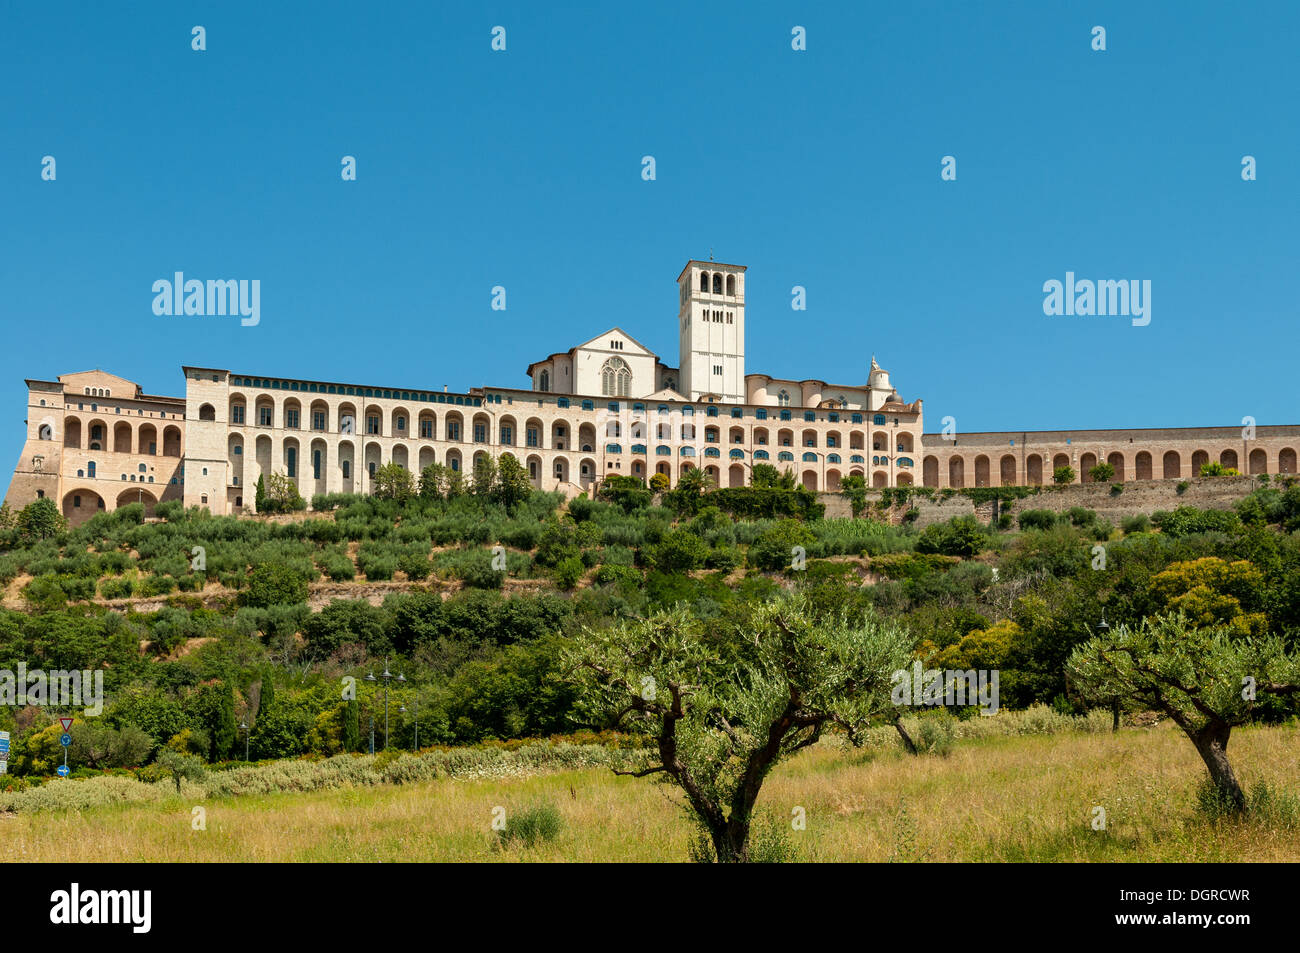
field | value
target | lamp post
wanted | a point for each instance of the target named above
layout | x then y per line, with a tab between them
387	676
415	707
243	726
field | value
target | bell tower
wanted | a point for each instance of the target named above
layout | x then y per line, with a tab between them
711	317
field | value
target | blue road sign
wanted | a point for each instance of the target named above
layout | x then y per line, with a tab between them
65	739
63	770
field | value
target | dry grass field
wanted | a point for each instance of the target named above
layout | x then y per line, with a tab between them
998	799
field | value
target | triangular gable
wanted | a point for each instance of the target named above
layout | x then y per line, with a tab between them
601	343
77	382
666	393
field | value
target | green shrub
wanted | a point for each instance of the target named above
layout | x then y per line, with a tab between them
568	572
540	822
1135	524
1037	519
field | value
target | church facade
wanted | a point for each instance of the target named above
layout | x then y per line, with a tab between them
607	406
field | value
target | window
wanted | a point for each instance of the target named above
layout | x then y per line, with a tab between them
291	419
717	370
347	423
318	420
142	468
588	405
507	435
347	469
426	429
545	383
783	398
532	437
480	433
760	413
401	424
737	411
372	424
371	468
878	420
264	416
90	469
46	432
315	464
615	378
785	415
561	402
290	462
857	418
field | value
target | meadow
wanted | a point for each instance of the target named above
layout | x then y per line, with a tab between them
1002	798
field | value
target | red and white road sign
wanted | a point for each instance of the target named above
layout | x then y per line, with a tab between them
66	723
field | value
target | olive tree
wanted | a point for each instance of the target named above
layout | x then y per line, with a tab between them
1206	679
726	702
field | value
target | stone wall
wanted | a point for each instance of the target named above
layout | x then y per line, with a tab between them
1136	497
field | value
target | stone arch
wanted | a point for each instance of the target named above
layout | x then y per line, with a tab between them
81	505
507	430
834	439
982	471
1286	460
760	436
402	456
1229	459
559	435
372	422
1172	465
1086	462
207	412
400	422
374	459
1116	460
454	426
1258	461
264	411
347	464
262	456
930	470
320	416
427	458
237	409
137	494
879	479
809	480
533	464
857	440
291	459
1034	469
808	437
147	441
586	472
1142	468
736	475
905	479
956	472
880	441
904	442
318	463
235	458
121	437
1199	459
832	481
587	438
454	461
171	441
482	425
1007	470
72	433
348	418
427	425
97	435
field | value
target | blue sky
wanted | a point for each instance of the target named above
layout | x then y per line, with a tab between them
818	168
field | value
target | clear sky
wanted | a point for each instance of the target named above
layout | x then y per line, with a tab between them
522	168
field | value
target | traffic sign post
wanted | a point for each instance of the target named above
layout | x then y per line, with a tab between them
66	723
65	739
63	770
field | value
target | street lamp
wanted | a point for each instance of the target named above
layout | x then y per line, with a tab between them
387	676
1103	628
415	706
243	726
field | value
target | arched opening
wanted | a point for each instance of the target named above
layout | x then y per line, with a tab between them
1007	470
1142	466
1258	461
148	440
137	495
122	437
235	458
1199	459
1229	459
319	464
1286	460
1116	460
731	285
81	505
1173	465
956	472
879	479
809	480
72	433
534	465
982	468
736	475
1086	463
832	481
1034	470
930	471
207	412
171	441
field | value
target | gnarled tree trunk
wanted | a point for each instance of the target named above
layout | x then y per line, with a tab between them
1212	745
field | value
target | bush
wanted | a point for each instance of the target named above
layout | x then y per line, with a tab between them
961	536
569	571
679	551
541	822
1037	519
1063	475
1102	473
273	584
1135	524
